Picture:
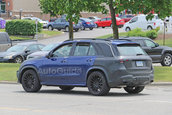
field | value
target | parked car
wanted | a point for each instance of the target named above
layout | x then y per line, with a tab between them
127	17
96	64
159	54
141	22
94	18
5	41
87	23
107	22
62	23
44	51
38	19
2	23
19	52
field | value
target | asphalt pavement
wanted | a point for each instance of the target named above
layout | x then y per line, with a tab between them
154	100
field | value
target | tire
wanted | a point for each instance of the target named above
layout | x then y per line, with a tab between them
76	30
82	28
166	60
149	28
127	29
30	81
134	90
97	84
66	29
50	28
18	59
66	88
103	27
59	29
91	28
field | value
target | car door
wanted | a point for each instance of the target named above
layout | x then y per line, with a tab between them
102	22
56	24
152	50
54	69
83	58
133	23
63	23
108	22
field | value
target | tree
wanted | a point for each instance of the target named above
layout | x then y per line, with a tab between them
71	8
162	7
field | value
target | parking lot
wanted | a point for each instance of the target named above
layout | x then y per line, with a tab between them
154	100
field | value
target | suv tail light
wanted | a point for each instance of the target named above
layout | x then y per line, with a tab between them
88	23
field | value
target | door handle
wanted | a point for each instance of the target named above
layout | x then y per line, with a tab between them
63	61
89	60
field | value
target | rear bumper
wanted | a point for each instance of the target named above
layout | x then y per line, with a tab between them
130	80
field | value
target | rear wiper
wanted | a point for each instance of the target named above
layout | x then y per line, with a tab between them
139	54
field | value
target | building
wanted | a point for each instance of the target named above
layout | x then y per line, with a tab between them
15	8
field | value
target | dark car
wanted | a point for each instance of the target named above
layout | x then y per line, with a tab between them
126	17
18	53
44	51
87	23
62	23
159	54
96	64
5	41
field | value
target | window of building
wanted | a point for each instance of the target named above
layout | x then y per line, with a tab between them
2	7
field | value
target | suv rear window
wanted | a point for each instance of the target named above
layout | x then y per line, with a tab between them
130	50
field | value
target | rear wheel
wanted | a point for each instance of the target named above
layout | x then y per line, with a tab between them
59	29
103	27
134	89
167	60
82	28
50	28
91	28
76	30
66	88
97	84
149	28
66	29
127	29
30	81
18	59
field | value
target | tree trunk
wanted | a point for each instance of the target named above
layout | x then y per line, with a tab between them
113	16
70	29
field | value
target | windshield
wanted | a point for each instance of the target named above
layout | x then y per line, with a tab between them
17	48
130	50
49	47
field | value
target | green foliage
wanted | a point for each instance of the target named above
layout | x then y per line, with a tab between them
22	27
157	29
136	32
152	34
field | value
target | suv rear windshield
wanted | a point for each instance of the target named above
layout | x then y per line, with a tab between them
130	50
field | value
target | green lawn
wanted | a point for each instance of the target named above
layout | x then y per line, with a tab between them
168	42
8	72
46	33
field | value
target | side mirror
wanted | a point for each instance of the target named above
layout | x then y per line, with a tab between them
27	51
49	55
156	44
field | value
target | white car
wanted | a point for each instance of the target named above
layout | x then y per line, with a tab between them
38	19
140	21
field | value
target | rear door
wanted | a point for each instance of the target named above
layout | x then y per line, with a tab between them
102	22
82	59
57	23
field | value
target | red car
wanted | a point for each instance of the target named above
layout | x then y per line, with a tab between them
126	17
107	22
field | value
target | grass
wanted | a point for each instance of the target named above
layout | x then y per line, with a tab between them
45	33
8	72
168	42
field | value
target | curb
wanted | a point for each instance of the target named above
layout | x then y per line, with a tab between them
8	82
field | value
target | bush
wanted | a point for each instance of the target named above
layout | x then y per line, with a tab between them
22	27
138	32
157	29
151	34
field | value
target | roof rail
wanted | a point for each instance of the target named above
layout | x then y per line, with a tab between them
89	39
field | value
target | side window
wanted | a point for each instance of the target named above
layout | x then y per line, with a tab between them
33	48
63	51
142	44
57	21
108	18
104	19
92	51
134	19
149	43
104	50
63	20
41	46
81	49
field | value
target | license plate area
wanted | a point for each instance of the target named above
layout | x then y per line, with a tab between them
139	63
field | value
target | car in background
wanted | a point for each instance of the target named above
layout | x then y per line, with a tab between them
2	23
62	23
127	17
19	52
5	41
107	22
44	51
140	21
38	19
96	64
94	18
87	23
159	54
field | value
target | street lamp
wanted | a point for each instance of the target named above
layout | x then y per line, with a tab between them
21	13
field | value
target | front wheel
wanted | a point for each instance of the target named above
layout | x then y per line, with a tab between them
91	28
50	28
167	60
30	81
66	88
18	59
134	89
97	84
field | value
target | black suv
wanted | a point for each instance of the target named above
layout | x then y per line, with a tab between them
96	64
159	54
